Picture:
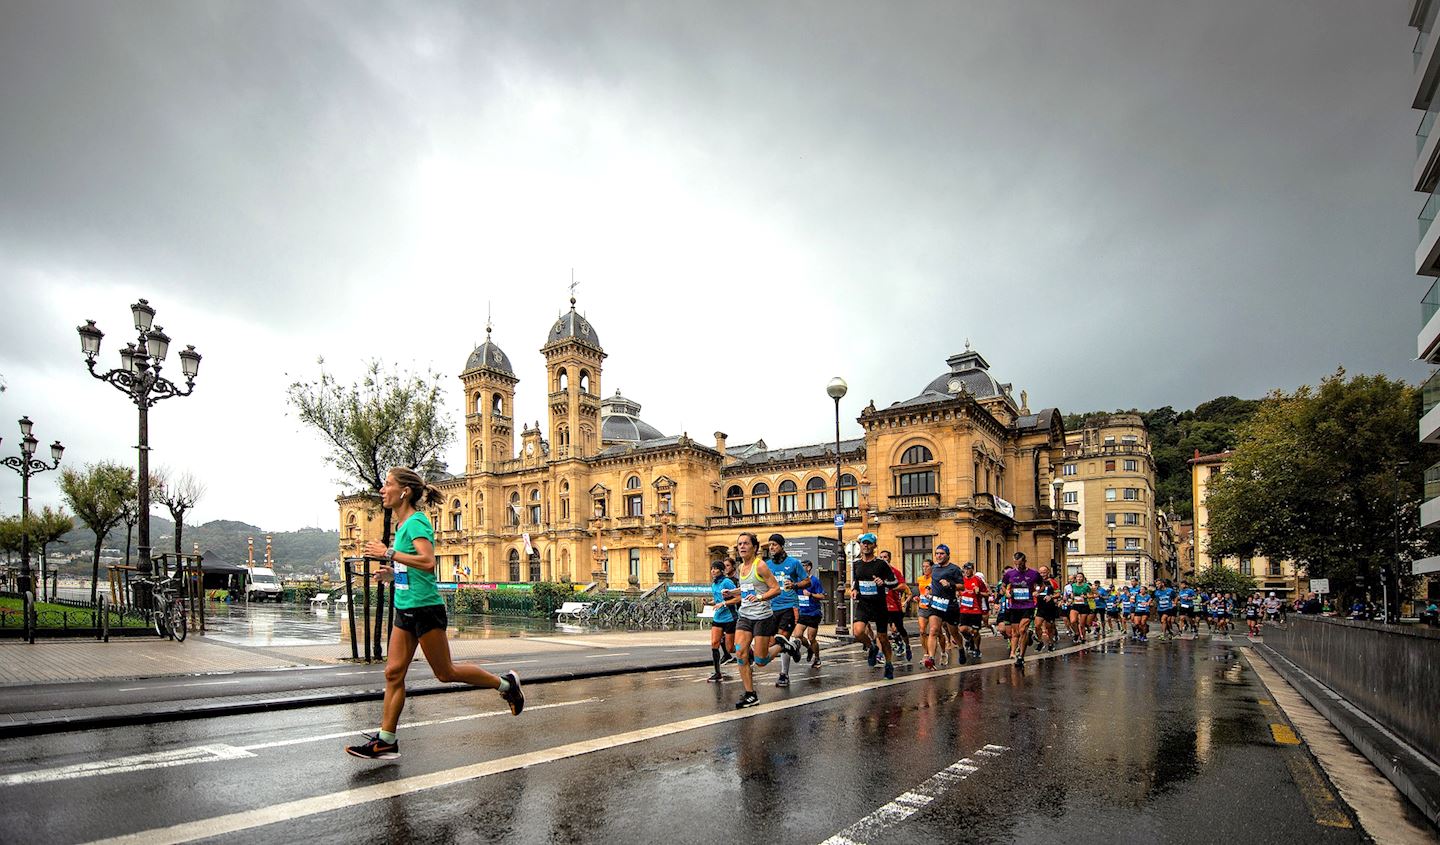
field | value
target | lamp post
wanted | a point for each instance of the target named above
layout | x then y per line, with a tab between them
1112	549
836	389
139	378
27	465
1059	487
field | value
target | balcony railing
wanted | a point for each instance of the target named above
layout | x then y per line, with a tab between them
1432	482
1087	451
1430	303
915	502
806	517
1428	212
629	521
1430	393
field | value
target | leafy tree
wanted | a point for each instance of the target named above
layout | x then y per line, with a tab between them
97	494
178	492
11	536
1329	478
387	419
1223	579
47	528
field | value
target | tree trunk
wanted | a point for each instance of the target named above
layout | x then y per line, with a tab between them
95	567
129	530
179	528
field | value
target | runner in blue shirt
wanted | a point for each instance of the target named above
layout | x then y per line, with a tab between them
1165	606
792	578
724	595
1143	600
1112	610
809	625
1188	597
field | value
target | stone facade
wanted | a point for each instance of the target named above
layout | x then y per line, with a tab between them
603	496
1280	577
1109	477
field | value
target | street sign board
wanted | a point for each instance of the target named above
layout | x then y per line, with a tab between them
839	520
1319	585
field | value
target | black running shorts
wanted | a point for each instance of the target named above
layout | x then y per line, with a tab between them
810	621
419	621
759	627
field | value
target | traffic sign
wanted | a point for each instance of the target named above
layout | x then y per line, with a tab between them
1320	585
839	519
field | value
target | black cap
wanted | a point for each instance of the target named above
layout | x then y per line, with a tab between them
777	538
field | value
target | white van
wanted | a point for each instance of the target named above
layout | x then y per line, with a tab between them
262	584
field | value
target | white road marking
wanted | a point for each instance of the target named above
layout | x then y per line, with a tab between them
511	663
912	801
135	763
300	808
608	656
412	725
169	686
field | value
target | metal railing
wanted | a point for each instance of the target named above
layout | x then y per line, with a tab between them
915	501
384	599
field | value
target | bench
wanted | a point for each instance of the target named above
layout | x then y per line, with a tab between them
320	599
707	612
572	609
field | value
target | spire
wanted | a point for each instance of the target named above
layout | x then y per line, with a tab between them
573	284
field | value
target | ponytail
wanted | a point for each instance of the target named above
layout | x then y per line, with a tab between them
420	493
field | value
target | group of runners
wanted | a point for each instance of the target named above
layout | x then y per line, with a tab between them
766	608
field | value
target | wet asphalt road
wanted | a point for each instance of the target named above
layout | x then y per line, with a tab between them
1165	742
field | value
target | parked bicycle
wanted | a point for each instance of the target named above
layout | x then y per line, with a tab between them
167	612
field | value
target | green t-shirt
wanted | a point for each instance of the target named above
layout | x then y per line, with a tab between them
414	587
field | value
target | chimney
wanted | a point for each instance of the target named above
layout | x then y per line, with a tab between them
720	438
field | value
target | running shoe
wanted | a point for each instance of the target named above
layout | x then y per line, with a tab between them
782	681
749	699
945	657
728	658
375	748
715	678
1019	660
513	696
788	647
928	662
975	653
870	656
889	671
907	651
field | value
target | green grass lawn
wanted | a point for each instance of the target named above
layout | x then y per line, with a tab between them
79	618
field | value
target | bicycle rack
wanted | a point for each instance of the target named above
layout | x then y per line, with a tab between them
191	579
385	600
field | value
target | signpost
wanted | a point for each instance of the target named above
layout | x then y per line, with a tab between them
1320	585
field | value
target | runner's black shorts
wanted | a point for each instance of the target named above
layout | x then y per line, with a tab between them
419	621
1187	612
971	620
759	627
872	613
1016	615
785	620
810	621
1049	611
727	627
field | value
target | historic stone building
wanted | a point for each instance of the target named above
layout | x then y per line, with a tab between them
1109	478
1278	576
596	494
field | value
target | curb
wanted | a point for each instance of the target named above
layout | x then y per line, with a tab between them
1415	775
67	724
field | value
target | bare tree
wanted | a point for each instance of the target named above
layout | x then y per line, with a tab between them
178	492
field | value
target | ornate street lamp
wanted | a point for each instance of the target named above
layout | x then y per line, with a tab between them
27	465
138	377
836	389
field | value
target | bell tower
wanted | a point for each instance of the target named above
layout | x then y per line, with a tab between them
489	382
573	358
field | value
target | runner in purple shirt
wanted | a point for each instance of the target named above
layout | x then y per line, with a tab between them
1022	585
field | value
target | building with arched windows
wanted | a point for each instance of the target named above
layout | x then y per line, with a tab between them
597	494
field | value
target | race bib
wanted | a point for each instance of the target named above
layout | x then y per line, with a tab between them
1142	606
967	601
1165	604
925	600
1021	593
868	588
939	604
402	576
747	589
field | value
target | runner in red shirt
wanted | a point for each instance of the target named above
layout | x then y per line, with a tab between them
973	594
896	601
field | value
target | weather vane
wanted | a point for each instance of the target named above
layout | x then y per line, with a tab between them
573	284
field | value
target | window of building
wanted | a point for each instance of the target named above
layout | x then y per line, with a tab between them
1132	465
1110	466
635	504
1072	546
1273	568
584	381
734	500
565	509
1109	441
1132	519
987	553
1110	520
917	455
635	564
534	507
513	517
1071	497
1132	494
1109	494
1214	474
1110	569
815	494
978	560
847	490
534	567
514	562
1128	439
667	502
1070	469
1073	569
1109	544
1246	566
602	509
788	499
917	483
760	498
1132	543
914	551
1132	568
562	380
497	404
455	517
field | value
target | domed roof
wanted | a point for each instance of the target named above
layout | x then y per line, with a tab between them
620	422
968	372
572	326
488	356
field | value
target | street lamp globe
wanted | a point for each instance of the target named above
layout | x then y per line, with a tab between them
56	450
26	426
190	362
90	339
157	343
837	388
28	446
143	314
127	358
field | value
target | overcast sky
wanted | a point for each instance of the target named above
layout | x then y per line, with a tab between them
1121	203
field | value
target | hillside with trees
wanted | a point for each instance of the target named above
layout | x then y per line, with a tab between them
295	551
1175	437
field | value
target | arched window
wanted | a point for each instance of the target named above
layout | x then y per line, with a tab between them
535	506
734	500
479	403
760	498
479	453
455	515
917	455
562	380
513	517
584	381
787	499
497	404
564	501
634	499
632	483
514	562
847	490
815	493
